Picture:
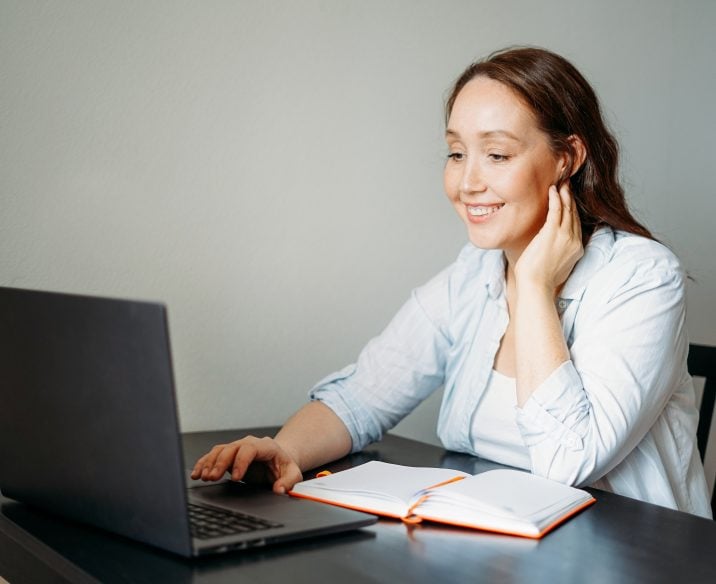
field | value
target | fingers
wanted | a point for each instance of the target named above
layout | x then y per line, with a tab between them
572	218
569	217
287	480
566	201
278	463
238	456
571	225
561	211
221	458
209	467
239	459
554	208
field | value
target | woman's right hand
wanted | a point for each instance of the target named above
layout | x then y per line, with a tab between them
250	458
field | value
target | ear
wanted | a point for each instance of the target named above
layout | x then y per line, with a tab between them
579	154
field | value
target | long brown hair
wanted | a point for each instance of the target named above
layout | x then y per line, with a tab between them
564	104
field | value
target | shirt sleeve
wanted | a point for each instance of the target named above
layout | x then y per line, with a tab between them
627	357
394	372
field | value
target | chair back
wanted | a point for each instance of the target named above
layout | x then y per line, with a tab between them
702	363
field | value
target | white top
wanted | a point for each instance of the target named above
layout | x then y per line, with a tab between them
495	434
620	414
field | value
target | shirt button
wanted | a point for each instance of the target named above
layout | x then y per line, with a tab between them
562	304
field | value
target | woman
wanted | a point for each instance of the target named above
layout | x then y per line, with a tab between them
558	334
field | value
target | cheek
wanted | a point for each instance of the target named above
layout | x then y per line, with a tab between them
529	187
538	212
450	183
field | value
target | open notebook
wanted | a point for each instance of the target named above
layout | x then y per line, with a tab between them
505	501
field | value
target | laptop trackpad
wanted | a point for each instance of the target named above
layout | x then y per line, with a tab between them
259	501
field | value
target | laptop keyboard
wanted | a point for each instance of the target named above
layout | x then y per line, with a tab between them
209	522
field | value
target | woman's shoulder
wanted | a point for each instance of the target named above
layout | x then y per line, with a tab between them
614	259
624	249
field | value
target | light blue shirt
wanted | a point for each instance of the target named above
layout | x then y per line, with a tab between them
619	415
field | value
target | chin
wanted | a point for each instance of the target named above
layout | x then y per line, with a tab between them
480	240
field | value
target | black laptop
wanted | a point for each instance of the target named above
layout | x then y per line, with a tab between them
89	431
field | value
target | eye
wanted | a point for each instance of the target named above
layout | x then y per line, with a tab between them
496	157
456	156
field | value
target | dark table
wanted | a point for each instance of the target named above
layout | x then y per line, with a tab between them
616	540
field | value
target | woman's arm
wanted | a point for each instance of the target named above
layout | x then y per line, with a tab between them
540	347
314	435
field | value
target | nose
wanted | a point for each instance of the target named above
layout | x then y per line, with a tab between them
472	180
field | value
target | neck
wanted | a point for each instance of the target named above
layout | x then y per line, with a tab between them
511	257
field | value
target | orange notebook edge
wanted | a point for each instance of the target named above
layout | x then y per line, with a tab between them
567	515
539	535
447	482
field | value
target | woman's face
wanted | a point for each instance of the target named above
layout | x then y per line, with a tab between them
499	167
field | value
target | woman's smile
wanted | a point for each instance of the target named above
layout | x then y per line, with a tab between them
481	213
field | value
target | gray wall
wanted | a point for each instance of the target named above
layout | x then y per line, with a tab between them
272	170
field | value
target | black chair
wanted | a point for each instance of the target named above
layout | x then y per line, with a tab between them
702	363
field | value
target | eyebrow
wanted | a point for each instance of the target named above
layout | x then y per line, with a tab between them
486	134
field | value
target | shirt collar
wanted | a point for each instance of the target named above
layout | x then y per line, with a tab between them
496	280
596	254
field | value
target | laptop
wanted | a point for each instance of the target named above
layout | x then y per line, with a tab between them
89	431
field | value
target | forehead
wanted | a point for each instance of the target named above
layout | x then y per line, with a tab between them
486	105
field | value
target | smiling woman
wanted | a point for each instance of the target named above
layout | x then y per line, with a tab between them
558	333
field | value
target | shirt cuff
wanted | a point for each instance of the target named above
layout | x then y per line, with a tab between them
558	409
330	392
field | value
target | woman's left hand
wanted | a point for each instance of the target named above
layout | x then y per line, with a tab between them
550	257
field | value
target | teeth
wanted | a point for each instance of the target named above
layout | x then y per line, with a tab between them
481	211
